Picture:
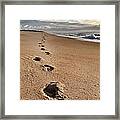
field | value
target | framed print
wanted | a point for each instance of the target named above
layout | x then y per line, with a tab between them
60	59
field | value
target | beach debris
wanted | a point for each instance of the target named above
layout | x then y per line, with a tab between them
54	91
37	58
42	48
47	68
39	43
47	53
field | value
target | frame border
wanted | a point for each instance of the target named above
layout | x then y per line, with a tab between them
55	2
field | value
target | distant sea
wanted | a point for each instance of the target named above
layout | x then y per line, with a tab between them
64	28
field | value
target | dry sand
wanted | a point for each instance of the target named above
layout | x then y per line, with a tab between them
76	66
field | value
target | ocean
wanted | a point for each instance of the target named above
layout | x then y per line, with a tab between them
76	29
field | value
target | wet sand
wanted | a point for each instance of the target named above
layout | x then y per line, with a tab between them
73	64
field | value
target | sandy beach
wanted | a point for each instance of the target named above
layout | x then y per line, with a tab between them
73	64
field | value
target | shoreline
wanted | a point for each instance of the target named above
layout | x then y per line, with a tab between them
64	36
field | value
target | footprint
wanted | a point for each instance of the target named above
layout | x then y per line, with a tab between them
47	68
39	43
42	48
37	58
47	53
52	90
43	41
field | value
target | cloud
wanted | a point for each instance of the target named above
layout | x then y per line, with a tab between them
92	22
